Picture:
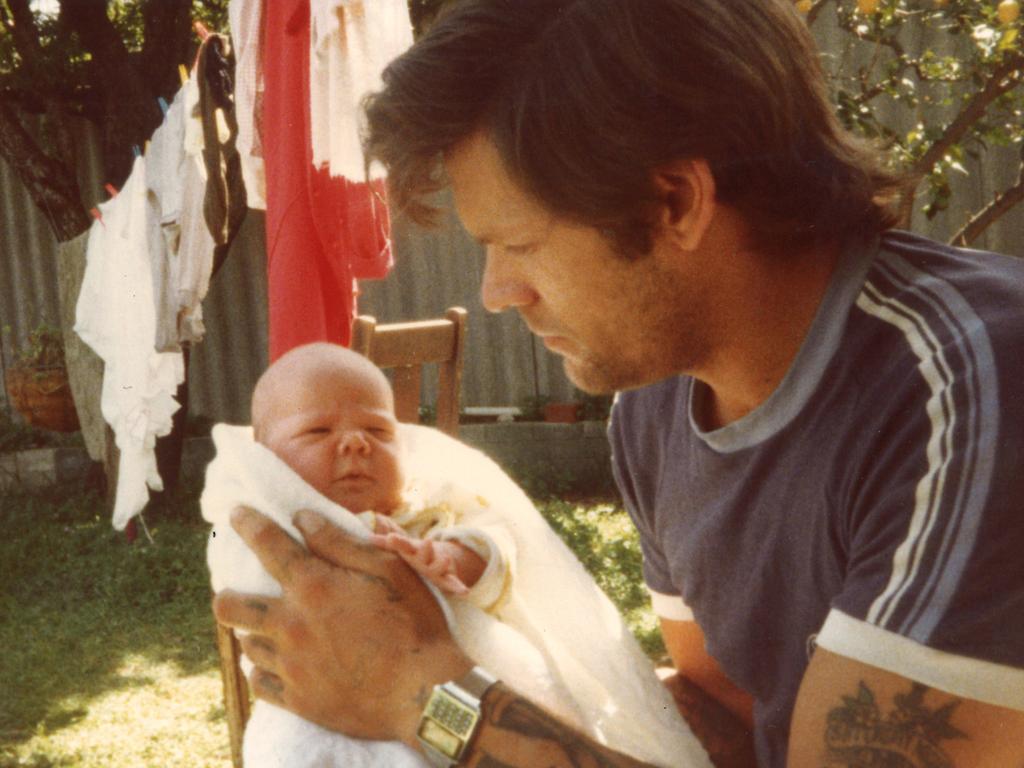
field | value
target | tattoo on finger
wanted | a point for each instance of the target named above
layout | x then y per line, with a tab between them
391	593
262	644
270	685
257	605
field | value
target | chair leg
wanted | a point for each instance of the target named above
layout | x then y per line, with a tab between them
236	690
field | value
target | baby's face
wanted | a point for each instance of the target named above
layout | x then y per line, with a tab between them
340	435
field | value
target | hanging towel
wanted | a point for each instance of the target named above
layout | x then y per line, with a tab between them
246	20
351	42
116	316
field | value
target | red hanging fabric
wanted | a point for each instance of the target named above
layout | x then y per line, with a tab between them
322	232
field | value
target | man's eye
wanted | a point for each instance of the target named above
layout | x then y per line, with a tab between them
317	431
519	250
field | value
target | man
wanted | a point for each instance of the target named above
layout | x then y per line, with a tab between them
816	434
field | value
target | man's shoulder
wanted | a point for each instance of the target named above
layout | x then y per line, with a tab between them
960	308
911	264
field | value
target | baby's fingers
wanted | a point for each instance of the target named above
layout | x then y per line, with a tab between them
398	543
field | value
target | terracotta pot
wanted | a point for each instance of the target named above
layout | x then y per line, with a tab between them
562	413
43	397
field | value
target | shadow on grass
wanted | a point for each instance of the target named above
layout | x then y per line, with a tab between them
84	613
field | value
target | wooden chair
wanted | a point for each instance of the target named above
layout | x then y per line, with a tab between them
404	348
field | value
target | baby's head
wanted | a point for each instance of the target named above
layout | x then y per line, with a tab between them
329	414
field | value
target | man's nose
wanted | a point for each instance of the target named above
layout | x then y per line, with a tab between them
502	287
353	441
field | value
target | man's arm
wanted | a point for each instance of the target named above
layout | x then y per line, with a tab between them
850	714
719	712
356	643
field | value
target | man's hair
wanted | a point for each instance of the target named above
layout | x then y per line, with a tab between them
585	99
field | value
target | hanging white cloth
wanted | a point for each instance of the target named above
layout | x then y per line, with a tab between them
351	42
165	168
245	18
196	244
116	316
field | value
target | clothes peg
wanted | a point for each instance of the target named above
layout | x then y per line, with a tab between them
97	215
201	30
136	152
111	189
163	104
183	74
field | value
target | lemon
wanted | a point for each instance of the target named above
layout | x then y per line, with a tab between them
1008	11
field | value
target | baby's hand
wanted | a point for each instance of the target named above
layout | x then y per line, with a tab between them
434	560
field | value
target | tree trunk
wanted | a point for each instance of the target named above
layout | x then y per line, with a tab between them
53	189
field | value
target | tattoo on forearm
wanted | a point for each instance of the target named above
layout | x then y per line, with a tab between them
540	739
910	735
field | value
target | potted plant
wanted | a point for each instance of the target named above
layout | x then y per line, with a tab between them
562	413
37	382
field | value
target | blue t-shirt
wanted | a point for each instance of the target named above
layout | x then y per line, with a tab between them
872	505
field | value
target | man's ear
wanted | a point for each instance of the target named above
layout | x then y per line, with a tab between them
687	192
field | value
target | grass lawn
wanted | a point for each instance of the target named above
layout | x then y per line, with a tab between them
108	654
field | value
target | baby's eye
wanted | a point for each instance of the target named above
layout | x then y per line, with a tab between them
380	432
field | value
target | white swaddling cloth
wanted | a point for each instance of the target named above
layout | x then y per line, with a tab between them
553	636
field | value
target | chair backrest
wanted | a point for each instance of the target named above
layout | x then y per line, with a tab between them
405	348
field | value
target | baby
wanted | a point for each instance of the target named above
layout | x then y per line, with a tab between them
324	437
328	413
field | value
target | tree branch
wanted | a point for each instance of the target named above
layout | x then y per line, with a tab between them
166	38
22	26
987	216
1001	81
131	110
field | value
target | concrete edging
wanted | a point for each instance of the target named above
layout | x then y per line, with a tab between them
574	454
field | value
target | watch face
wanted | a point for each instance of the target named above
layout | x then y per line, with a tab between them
437	737
451	713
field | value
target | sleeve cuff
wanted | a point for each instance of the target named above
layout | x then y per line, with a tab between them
670	607
492	587
976	679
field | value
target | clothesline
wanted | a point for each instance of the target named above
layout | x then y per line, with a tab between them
156	242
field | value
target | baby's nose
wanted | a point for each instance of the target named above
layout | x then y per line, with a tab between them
353	440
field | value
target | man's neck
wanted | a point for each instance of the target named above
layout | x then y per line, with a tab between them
773	304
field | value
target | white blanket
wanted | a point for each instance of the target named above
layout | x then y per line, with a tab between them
555	637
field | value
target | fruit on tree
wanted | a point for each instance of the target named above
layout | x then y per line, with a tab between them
1008	11
867	7
804	6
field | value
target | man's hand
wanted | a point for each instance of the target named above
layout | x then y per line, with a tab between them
356	641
